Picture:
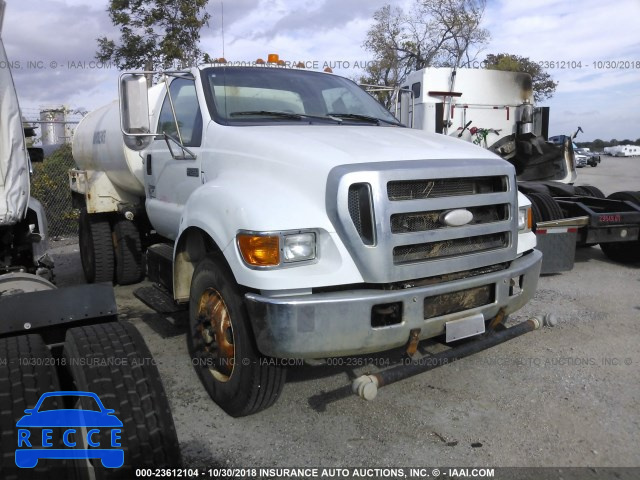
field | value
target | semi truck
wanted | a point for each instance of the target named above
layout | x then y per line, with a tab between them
64	339
495	109
295	218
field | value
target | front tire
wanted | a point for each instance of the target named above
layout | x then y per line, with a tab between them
222	345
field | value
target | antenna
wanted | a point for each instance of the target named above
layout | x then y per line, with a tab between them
222	23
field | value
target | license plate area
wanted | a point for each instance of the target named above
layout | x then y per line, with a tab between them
464	327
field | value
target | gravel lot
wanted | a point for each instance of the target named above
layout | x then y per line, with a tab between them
561	397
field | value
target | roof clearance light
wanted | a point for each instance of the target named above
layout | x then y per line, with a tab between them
281	63
300	65
260	62
221	60
273	58
328	70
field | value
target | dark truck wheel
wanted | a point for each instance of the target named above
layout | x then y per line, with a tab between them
544	207
128	253
96	247
27	370
113	361
222	346
623	252
589	191
535	210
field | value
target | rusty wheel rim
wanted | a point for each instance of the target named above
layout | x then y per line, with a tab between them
216	348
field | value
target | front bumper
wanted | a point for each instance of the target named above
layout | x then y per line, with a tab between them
339	323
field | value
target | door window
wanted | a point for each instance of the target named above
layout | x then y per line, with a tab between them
188	116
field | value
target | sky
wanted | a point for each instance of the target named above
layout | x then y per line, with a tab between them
51	46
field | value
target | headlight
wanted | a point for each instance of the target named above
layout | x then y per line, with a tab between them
300	247
525	219
272	249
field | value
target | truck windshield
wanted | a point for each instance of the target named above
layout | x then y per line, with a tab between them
241	95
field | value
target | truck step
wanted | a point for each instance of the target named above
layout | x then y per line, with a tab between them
160	265
159	300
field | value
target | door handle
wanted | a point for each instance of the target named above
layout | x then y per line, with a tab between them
149	167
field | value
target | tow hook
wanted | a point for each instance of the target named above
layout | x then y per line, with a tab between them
366	386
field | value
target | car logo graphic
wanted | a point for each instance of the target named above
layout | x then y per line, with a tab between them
40	427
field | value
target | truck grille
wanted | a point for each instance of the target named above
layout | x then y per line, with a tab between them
448	187
448	248
422	221
392	216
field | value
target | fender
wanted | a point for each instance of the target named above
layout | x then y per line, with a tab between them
221	208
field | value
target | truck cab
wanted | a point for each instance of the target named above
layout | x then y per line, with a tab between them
298	219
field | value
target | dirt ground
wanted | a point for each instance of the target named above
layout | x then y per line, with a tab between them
557	397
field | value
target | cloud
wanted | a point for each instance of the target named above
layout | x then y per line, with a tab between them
333	31
51	46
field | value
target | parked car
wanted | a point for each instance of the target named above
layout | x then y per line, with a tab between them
581	159
593	159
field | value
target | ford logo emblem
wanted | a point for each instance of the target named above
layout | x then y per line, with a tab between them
456	218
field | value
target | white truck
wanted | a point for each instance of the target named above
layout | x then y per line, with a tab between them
64	339
494	109
298	219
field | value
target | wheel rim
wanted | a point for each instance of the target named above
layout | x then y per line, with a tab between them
214	335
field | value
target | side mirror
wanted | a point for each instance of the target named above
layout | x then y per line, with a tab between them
134	111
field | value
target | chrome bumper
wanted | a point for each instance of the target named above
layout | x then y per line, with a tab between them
339	323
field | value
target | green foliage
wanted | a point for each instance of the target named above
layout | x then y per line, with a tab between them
432	33
543	85
50	185
154	33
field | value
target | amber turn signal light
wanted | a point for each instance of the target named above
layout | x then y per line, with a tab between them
259	250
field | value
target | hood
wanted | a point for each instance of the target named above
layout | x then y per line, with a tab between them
284	168
304	150
332	145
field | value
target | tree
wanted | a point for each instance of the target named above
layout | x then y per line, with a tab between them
154	33
543	85
433	33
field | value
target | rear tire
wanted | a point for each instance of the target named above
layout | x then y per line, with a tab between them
589	191
128	253
27	370
96	247
535	210
222	345
547	208
623	252
113	361
633	197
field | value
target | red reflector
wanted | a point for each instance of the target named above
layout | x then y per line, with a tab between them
541	232
572	230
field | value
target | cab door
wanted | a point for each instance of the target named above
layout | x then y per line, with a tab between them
171	173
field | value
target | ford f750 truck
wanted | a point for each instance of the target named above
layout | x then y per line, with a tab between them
297	218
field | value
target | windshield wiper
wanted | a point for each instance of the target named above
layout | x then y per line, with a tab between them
267	113
289	115
366	118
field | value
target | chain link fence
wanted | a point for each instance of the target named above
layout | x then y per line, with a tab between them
50	185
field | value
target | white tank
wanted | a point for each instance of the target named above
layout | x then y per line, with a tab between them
98	145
